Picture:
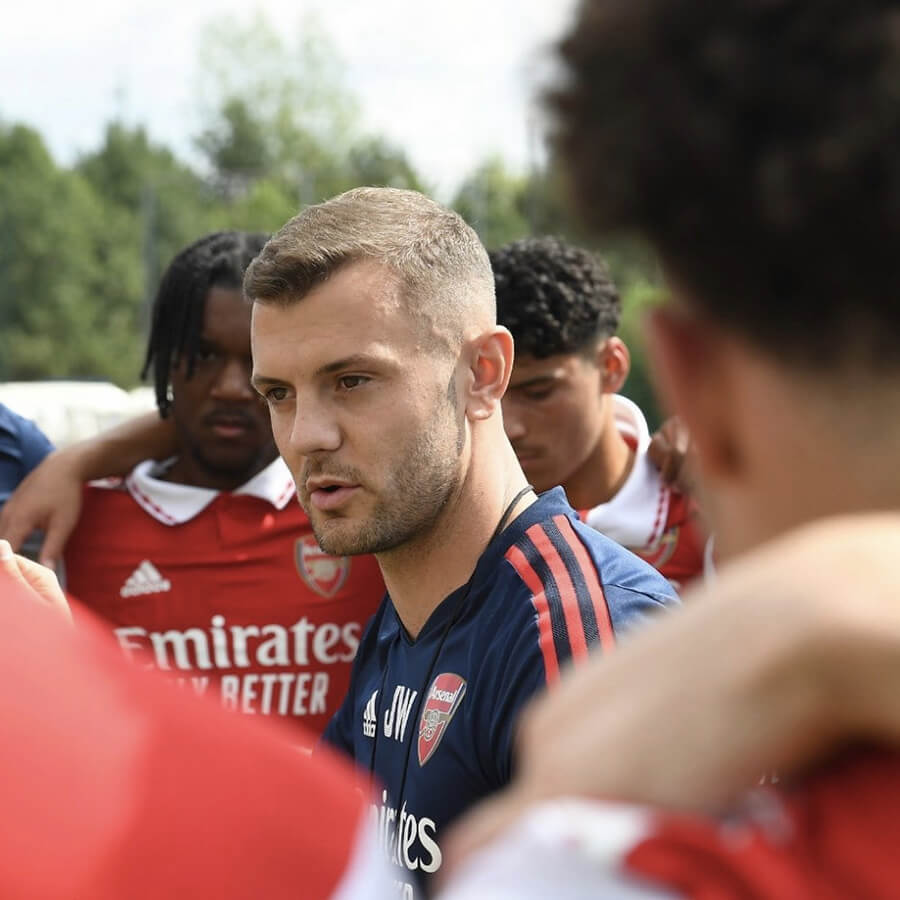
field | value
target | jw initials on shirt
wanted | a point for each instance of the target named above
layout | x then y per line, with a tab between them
397	716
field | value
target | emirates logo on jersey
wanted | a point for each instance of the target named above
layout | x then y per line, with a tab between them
441	702
325	574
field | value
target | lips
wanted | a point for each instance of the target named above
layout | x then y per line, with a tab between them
331	496
230	424
528	455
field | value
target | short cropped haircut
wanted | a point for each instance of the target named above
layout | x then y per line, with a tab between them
215	260
442	266
755	143
554	297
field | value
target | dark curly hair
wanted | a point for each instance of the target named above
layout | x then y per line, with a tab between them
756	143
553	297
216	260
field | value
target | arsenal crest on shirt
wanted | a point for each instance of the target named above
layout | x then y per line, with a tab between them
442	701
325	574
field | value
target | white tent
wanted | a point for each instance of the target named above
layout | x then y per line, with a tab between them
68	411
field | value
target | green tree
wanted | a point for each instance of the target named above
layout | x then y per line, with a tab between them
62	272
638	297
236	147
274	108
281	128
161	203
375	161
494	201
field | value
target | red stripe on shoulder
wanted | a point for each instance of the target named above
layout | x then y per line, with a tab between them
545	629
589	573
567	596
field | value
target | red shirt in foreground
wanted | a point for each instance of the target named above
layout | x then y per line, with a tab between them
835	836
116	786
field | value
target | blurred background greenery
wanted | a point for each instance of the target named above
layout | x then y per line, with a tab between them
82	246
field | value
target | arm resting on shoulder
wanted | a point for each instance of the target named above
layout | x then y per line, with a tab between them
50	497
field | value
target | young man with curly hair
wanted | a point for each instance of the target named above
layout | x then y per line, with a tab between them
563	412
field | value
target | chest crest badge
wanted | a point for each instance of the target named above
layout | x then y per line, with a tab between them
441	703
323	573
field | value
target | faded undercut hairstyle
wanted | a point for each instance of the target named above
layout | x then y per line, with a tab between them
442	266
755	143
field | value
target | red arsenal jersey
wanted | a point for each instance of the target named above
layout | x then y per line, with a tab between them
227	592
833	836
660	525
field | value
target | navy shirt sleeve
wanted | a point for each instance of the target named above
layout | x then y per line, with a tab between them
22	446
519	675
565	608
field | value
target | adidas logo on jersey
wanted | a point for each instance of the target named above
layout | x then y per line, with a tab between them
145	579
370	716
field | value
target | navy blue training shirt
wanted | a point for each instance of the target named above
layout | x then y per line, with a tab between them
434	719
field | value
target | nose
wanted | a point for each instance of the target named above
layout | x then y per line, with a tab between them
513	422
233	382
313	429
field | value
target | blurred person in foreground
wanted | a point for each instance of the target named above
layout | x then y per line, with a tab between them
753	144
202	563
116	786
376	348
563	412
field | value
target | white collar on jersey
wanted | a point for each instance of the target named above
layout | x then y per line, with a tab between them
173	504
636	516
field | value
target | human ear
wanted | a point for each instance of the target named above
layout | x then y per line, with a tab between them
614	362
490	367
693	378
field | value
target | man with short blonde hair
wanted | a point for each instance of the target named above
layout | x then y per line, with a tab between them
376	347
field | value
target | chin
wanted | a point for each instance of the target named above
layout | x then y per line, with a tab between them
235	463
336	541
341	545
541	484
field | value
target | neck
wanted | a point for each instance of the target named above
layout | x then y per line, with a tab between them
601	476
421	573
808	458
191	471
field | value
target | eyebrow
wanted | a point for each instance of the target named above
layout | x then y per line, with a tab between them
531	382
348	362
258	382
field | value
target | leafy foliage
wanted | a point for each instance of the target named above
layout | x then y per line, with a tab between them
82	248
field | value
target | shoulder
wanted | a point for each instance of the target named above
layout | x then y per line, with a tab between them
578	590
21	439
109	512
563	554
112	490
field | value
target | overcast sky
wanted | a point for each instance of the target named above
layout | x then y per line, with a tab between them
450	81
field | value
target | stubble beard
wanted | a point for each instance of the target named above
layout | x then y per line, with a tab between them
413	500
